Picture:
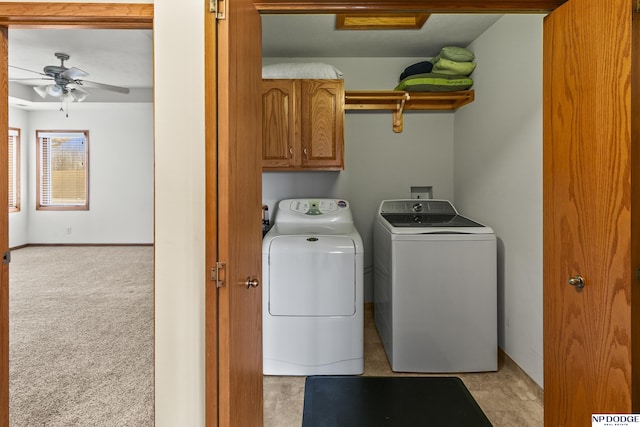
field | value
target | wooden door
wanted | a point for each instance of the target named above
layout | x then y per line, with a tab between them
280	124
589	150
234	210
322	124
4	237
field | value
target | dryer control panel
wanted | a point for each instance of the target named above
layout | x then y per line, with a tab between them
316	207
302	211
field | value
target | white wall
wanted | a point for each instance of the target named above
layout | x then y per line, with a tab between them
498	175
180	213
120	177
379	164
18	221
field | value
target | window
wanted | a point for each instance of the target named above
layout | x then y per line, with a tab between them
62	170
14	170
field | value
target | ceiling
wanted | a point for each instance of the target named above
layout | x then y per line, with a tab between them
124	57
114	57
316	36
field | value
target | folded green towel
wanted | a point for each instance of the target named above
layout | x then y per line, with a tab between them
433	82
447	66
458	54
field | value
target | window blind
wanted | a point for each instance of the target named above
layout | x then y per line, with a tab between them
14	169
63	171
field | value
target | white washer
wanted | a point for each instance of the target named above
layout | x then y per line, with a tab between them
435	288
312	262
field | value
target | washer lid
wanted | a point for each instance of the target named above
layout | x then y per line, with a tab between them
426	216
429	220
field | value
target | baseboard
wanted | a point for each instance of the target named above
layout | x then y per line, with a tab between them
77	244
505	360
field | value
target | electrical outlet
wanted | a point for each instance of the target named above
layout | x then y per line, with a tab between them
68	230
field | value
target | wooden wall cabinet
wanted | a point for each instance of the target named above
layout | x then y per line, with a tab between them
302	124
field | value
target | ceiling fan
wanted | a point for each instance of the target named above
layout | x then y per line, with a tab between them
66	83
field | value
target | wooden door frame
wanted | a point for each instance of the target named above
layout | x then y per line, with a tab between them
391	6
211	406
44	16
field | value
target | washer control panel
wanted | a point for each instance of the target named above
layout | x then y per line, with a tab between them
430	206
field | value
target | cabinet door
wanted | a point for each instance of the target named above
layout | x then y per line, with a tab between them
322	124
280	132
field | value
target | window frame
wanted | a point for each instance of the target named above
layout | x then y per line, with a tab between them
54	207
15	160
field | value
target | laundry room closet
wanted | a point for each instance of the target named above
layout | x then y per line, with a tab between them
485	157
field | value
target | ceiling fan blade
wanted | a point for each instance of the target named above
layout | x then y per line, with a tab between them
104	86
74	73
26	69
36	80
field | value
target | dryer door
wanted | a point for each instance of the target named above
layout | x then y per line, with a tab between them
312	276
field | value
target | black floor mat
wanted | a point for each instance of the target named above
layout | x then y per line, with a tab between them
358	401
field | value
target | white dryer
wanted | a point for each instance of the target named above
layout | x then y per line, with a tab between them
312	262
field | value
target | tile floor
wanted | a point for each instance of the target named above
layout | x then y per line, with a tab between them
508	397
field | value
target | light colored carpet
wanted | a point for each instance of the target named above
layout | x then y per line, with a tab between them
81	336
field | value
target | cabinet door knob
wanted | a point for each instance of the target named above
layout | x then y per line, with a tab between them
305	153
290	152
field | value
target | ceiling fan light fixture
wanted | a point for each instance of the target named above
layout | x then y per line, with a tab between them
41	90
79	96
54	90
67	82
67	97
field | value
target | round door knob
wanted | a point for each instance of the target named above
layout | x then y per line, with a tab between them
577	281
252	283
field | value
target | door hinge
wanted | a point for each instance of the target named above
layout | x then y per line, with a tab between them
218	274
6	257
218	7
